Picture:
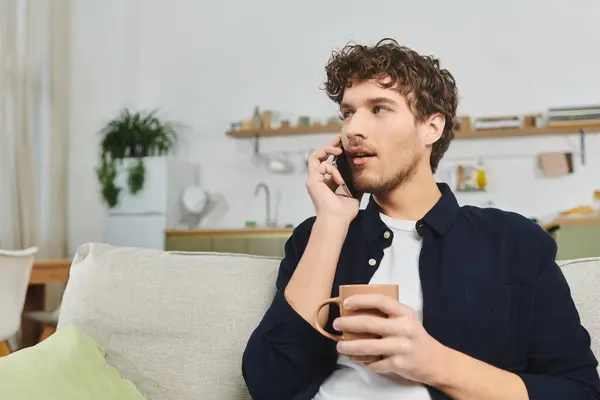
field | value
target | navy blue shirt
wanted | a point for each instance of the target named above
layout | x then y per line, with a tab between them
491	289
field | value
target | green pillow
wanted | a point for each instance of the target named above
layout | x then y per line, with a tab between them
68	365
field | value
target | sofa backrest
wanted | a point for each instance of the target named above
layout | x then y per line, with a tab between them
583	276
175	324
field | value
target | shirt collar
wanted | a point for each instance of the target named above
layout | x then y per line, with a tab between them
441	216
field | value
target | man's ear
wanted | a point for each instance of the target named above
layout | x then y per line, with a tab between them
434	128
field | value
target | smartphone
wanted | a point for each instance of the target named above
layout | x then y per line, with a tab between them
342	165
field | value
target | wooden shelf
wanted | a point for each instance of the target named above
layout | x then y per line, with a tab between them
480	134
523	132
290	131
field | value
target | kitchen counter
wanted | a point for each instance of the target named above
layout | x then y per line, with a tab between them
276	232
573	221
265	231
575	236
258	241
259	231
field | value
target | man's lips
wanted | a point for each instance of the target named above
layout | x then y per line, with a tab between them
360	152
360	155
361	160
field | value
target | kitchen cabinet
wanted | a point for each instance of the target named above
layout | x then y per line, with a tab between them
576	237
577	241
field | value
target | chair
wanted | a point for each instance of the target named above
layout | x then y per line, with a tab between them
15	271
48	319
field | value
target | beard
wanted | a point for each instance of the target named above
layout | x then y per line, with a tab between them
386	181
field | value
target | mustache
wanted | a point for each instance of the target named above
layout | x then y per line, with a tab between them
360	144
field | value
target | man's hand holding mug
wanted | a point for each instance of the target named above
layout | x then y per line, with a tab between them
384	334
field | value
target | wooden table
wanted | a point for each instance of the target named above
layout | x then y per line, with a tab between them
42	273
50	271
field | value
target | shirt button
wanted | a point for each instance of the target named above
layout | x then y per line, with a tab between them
387	234
372	262
420	228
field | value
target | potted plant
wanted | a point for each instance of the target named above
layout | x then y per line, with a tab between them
131	135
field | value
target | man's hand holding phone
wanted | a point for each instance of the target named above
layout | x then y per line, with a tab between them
316	269
328	204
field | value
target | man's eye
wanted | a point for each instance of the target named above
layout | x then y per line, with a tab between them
378	109
345	114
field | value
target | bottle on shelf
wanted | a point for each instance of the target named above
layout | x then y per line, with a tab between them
481	177
256	119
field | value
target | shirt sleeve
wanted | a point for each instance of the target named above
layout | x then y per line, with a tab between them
285	353
561	364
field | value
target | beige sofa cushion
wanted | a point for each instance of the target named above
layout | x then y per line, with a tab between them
175	324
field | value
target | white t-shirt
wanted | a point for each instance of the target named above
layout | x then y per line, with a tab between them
400	265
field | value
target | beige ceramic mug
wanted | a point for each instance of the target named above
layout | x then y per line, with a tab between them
346	291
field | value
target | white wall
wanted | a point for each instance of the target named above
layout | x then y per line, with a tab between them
209	63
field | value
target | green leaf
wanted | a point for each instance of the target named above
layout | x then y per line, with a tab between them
106	173
132	134
135	179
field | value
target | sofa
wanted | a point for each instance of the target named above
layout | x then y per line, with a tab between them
176	323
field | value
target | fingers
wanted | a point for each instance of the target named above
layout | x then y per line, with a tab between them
318	156
384	366
335	142
319	166
368	324
368	347
385	304
323	154
336	178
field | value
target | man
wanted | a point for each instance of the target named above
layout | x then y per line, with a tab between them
484	313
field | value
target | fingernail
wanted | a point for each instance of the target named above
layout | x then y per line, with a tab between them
336	324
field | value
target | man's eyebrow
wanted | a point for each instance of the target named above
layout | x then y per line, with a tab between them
380	100
372	101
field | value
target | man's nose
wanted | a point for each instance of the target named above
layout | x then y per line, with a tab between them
360	125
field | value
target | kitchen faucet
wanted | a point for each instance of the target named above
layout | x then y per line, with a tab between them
261	185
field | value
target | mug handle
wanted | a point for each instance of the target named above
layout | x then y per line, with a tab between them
318	327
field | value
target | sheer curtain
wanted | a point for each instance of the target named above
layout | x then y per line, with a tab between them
21	56
34	126
54	141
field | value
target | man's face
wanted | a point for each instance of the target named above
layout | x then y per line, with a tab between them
384	144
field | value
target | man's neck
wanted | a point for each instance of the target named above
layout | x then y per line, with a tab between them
411	200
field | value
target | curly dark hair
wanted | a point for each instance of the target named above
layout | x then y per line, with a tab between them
427	88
